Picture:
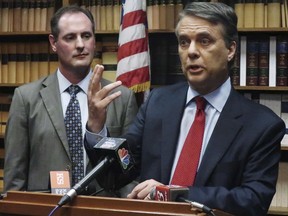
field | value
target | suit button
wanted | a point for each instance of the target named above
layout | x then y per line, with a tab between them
68	168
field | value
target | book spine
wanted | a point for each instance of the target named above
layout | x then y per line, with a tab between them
17	10
252	62
12	57
103	23
178	9
37	18
170	18
109	15
274	13
31	15
43	14
43	59
24	16
10	15
34	46
98	15
116	15
20	62
156	14
264	62
50	12
27	64
259	14
282	61
249	15
4	17
4	62
150	14
239	10
162	14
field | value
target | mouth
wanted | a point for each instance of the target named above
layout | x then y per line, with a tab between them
82	55
194	68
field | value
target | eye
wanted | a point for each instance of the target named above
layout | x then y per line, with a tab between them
183	42
205	41
69	37
86	36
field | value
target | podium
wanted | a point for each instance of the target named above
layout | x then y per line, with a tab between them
34	203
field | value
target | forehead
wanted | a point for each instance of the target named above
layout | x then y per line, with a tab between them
194	24
74	22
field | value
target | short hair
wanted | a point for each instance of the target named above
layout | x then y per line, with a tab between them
214	12
70	9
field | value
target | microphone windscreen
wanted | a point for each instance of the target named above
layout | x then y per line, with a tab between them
118	149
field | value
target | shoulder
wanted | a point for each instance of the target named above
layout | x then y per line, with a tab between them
252	109
32	89
168	91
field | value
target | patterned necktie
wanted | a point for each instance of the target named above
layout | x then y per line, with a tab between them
74	134
187	165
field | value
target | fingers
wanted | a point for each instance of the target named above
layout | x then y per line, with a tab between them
99	98
95	90
142	190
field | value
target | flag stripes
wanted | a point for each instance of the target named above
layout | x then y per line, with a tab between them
133	67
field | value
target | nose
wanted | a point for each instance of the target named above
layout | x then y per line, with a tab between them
193	51
79	43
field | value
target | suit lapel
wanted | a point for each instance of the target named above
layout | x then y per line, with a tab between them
226	129
51	98
174	105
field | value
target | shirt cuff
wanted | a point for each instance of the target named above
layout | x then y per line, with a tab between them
93	138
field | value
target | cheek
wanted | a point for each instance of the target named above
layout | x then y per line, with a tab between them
64	50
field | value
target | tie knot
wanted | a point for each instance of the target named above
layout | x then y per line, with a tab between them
73	90
200	103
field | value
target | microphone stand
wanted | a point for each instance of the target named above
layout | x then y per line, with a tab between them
79	187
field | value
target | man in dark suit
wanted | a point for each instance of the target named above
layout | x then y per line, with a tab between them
35	138
238	165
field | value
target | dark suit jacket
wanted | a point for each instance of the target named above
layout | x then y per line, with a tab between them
35	138
239	169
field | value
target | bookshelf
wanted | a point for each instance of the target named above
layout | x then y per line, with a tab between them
168	62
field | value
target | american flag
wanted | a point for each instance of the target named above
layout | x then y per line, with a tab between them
133	67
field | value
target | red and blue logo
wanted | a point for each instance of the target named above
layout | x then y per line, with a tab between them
124	157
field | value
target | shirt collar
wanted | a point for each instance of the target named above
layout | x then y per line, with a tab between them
65	83
217	98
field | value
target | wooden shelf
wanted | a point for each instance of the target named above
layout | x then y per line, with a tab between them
278	210
261	88
268	30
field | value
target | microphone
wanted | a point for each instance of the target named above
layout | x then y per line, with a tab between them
115	153
179	194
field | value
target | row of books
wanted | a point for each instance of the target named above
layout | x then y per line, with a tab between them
261	61
24	62
26	15
161	14
261	14
106	13
35	15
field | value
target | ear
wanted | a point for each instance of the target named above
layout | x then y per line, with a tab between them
52	41
231	51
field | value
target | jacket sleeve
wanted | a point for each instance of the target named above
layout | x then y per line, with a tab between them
16	146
